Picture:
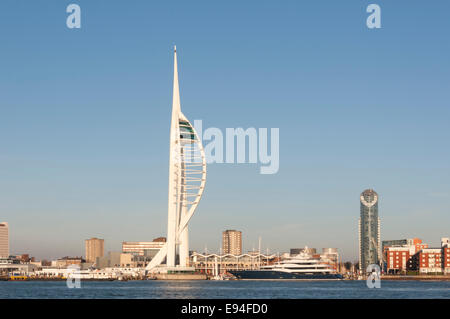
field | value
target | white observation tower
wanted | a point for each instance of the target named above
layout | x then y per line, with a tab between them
187	176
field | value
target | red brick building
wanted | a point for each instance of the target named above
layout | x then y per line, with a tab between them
428	260
397	259
446	260
416	244
417	256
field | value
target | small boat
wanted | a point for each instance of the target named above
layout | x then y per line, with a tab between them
217	277
18	277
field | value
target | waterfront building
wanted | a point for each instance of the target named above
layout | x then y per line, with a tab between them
8	265
392	243
111	259
95	247
445	255
427	260
385	244
232	242
445	246
4	240
108	273
415	255
140	253
126	260
330	256
36	263
369	230
397	259
187	177
67	261
416	244
208	263
143	248
396	251
446	259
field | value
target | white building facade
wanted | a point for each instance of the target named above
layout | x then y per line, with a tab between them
4	240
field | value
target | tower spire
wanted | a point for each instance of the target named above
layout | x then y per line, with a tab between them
176	107
187	157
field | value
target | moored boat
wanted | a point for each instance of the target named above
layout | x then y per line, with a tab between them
299	267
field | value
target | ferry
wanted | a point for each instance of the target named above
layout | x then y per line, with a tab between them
16	276
298	267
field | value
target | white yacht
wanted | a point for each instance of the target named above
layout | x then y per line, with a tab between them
301	266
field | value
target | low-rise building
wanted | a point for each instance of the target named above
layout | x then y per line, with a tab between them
397	259
416	244
397	254
392	243
445	244
143	248
330	257
126	260
9	264
446	260
427	260
67	261
112	259
208	263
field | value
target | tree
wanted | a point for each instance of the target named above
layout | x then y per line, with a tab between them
348	265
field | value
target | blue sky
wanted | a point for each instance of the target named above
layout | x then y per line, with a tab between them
84	119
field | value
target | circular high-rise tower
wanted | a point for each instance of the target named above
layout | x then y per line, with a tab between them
369	230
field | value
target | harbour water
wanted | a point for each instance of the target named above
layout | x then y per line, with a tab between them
226	289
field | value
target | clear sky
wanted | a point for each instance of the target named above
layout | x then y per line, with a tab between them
85	114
